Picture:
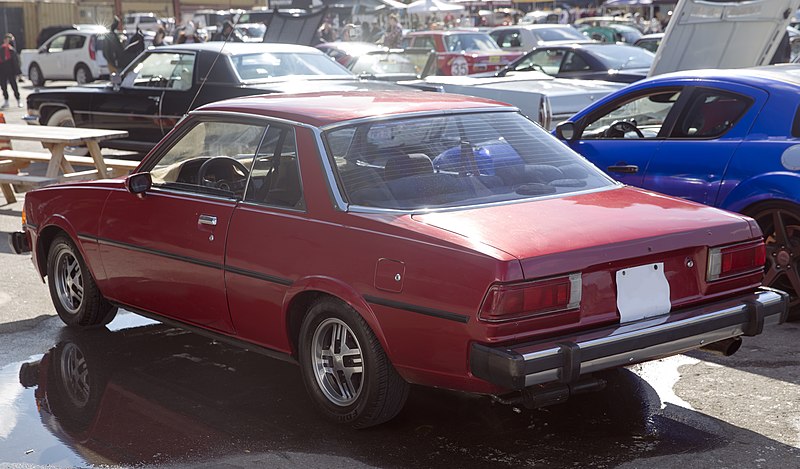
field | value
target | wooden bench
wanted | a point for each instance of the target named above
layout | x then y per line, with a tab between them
116	167
21	180
13	160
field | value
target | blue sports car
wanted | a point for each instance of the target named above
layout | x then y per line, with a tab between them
727	138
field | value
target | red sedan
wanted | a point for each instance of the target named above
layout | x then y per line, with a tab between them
382	239
461	52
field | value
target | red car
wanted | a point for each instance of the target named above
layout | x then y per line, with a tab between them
386	238
461	52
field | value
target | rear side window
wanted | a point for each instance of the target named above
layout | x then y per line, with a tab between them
275	178
796	124
74	42
710	114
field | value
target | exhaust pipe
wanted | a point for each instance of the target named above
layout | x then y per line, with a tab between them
726	347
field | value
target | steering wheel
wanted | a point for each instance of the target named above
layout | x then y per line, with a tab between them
618	129
227	168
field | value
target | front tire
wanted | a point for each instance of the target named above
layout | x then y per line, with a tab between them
75	295
345	369
35	74
780	223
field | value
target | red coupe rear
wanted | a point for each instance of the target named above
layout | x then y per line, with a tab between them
381	239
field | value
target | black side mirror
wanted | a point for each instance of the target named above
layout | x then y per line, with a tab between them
566	131
138	183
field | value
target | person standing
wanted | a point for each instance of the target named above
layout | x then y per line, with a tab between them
393	34
9	69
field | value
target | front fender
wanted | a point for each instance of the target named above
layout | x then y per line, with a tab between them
781	186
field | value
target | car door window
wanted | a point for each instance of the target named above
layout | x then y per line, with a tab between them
647	113
213	157
57	44
275	179
547	60
507	38
710	114
161	70
74	42
574	63
424	42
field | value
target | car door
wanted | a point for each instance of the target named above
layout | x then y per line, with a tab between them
137	103
49	58
164	252
692	161
622	136
265	240
546	59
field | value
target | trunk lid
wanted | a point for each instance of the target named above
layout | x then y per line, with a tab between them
602	233
731	34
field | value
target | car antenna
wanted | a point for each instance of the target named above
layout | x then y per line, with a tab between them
219	54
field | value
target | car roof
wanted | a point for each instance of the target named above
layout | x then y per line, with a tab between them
237	48
785	73
324	108
448	32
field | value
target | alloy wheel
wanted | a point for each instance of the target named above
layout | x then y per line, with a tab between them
338	362
69	282
781	229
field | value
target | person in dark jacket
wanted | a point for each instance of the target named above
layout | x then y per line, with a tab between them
227	33
9	69
112	47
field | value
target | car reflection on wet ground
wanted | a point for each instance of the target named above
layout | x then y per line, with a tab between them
143	393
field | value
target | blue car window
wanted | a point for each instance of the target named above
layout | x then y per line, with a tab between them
648	113
710	114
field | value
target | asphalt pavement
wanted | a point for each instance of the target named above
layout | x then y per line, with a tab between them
149	395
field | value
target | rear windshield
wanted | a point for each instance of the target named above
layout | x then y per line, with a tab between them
476	41
620	57
280	64
455	160
560	34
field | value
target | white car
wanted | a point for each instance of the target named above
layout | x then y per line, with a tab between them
525	37
68	55
141	21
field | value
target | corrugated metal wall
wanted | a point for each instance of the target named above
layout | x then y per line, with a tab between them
38	15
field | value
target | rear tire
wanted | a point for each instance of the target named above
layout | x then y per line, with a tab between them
345	369
75	296
83	75
35	74
780	223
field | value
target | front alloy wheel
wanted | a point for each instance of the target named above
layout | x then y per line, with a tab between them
69	281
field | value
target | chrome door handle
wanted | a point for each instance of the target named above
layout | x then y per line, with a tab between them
207	220
155	98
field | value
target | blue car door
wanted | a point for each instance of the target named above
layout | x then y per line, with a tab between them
624	135
691	162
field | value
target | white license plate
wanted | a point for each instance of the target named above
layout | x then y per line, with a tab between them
642	292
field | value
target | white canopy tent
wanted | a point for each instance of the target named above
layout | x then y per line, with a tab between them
432	6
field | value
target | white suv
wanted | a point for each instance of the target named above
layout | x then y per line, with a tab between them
68	55
142	21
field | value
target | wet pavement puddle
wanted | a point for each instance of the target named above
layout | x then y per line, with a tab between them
142	393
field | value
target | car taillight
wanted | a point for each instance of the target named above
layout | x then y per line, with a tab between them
737	259
529	299
92	48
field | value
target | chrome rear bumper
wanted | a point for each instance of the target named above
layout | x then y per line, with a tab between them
566	359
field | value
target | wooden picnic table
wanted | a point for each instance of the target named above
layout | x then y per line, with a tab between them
59	166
